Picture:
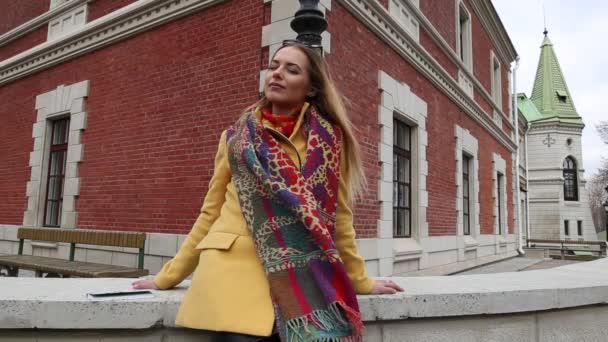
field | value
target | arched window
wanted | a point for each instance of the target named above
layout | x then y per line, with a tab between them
570	180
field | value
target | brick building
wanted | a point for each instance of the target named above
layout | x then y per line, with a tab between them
112	110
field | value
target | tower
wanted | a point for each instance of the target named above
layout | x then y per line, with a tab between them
559	207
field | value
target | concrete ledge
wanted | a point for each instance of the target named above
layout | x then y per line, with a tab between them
34	303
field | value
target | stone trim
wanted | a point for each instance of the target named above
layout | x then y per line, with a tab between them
466	76
378	20
40	20
468	64
467	143
397	101
402	13
116	26
499	165
77	17
63	101
279	29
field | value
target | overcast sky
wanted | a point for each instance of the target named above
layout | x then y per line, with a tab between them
577	30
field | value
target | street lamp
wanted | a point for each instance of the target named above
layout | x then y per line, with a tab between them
606	210
309	22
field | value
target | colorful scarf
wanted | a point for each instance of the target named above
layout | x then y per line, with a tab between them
291	212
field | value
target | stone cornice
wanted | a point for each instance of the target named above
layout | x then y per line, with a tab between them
38	21
495	29
447	49
379	21
541	128
120	24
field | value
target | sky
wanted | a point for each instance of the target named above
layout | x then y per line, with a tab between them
577	30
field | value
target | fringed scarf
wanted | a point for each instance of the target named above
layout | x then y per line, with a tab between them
292	214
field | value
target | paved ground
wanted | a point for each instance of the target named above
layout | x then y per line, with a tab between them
518	264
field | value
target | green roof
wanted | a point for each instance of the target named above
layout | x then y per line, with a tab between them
550	94
527	108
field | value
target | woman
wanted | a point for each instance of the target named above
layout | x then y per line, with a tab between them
274	245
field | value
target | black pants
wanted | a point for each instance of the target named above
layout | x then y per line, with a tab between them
220	336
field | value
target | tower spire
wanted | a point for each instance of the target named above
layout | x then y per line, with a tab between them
550	94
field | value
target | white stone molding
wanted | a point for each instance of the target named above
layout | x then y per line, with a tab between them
40	20
279	29
401	12
467	143
61	102
68	22
397	101
496	80
466	83
116	26
499	165
379	21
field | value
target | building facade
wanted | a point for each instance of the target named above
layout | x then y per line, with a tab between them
559	204
113	110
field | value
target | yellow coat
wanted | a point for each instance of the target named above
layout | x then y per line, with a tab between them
229	290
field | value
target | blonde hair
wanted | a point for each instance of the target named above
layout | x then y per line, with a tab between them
328	101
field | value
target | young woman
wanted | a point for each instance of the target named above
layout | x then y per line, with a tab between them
273	250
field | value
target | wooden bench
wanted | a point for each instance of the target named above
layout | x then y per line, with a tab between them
54	267
566	246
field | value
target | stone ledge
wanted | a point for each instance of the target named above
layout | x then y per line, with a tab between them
34	302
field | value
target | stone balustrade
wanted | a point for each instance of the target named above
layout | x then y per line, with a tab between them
567	303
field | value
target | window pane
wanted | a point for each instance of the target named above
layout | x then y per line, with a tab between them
465	207
395	167
465	187
395	194
465	222
406	196
406	223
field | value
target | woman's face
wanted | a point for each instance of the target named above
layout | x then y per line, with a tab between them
287	80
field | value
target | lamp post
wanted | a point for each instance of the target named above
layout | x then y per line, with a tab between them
606	210
309	22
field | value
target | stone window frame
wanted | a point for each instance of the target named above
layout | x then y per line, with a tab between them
61	102
495	79
467	143
575	173
499	166
398	102
468	43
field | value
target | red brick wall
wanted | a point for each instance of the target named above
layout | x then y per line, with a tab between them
157	104
14	13
442	14
25	42
356	75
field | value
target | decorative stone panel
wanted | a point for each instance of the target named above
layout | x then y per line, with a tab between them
63	101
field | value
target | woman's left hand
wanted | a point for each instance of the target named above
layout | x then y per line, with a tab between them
386	287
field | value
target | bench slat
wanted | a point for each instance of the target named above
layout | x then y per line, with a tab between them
84	236
73	268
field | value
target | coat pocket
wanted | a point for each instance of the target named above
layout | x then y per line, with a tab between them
217	240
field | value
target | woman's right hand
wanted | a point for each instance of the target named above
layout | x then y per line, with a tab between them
144	284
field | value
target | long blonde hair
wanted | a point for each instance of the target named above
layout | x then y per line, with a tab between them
328	101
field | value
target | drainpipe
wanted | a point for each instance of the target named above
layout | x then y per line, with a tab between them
520	250
527	186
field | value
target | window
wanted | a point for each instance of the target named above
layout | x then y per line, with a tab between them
402	167
56	174
466	194
570	180
464	40
499	194
496	81
566	227
562	96
579	227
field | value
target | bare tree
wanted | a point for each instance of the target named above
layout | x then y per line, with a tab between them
597	184
597	196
